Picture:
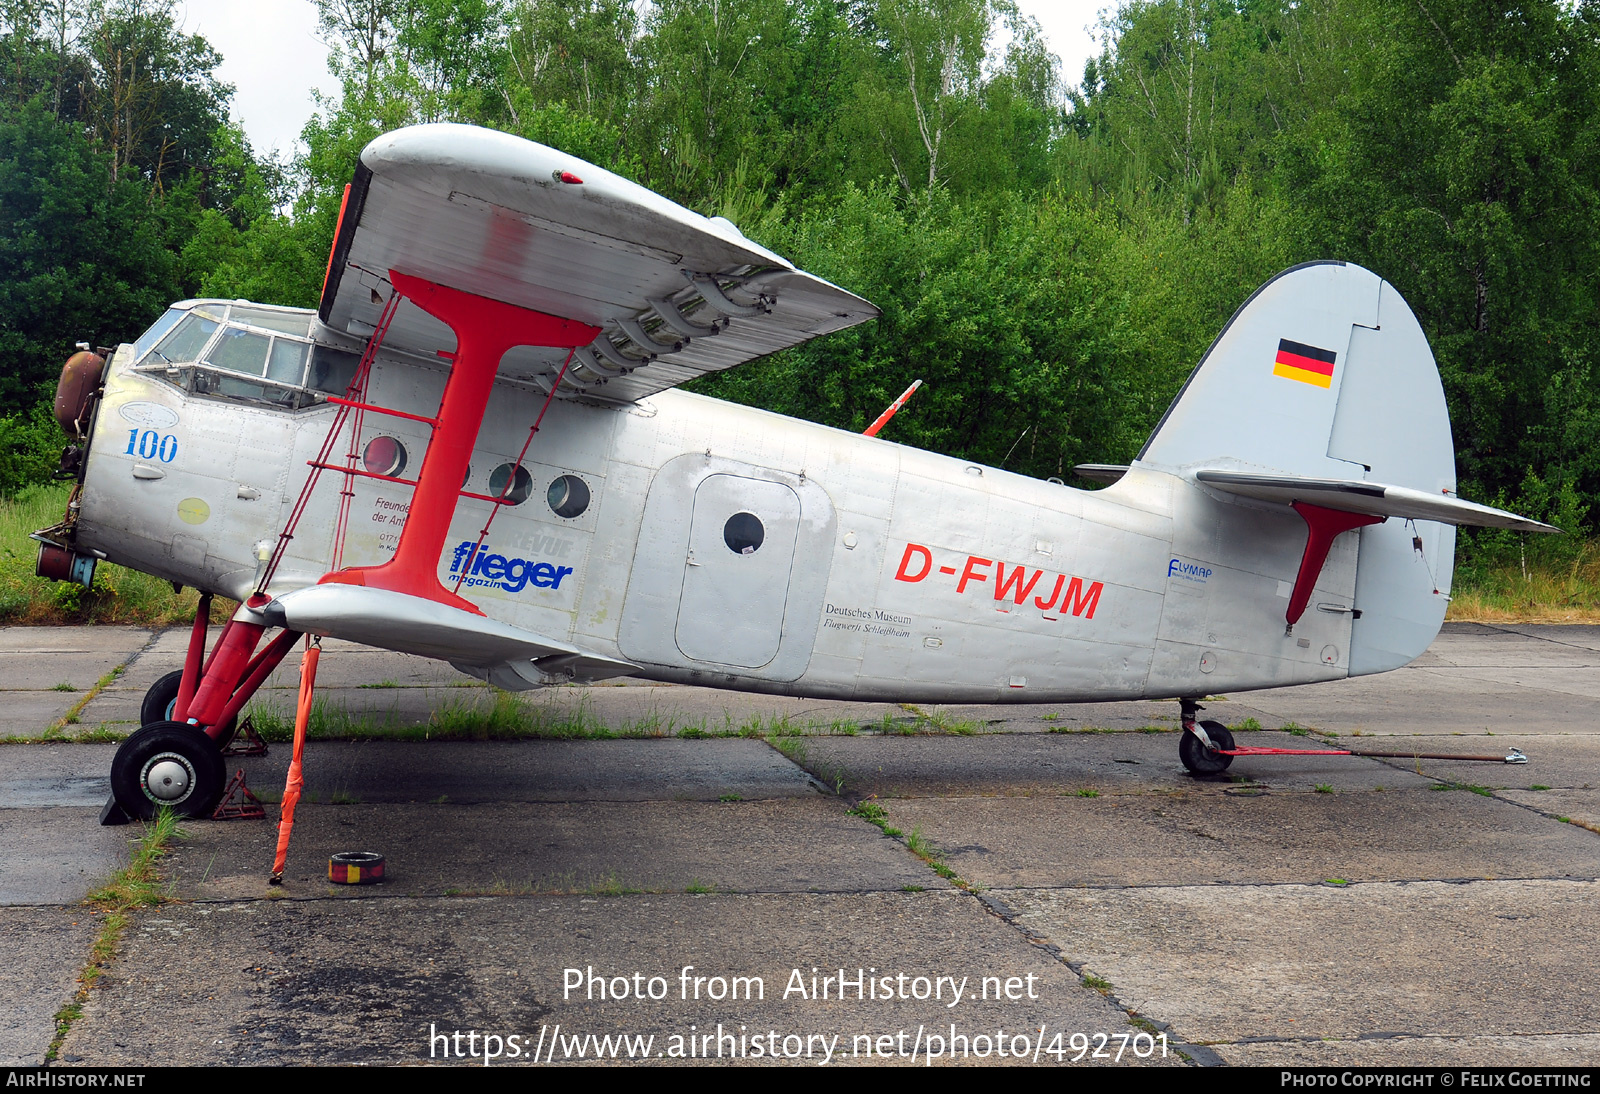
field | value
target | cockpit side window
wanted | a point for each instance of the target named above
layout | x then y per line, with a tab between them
332	369
157	330
187	339
239	351
287	363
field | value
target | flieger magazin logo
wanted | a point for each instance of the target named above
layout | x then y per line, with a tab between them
484	569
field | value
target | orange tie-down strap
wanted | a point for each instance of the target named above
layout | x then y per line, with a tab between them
293	784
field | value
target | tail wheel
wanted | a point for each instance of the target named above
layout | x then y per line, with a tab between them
163	696
1198	758
168	764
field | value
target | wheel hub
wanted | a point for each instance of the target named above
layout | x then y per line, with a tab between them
168	778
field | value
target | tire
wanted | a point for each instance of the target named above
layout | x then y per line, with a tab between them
1201	760
171	764
159	701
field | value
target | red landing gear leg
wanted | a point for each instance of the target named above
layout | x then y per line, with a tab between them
177	764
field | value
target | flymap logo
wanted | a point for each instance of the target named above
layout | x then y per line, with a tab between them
1188	571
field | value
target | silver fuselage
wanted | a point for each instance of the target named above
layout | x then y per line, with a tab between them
883	573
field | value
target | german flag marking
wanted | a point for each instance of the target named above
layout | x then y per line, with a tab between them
1308	364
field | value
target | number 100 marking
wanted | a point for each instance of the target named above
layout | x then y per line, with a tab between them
151	445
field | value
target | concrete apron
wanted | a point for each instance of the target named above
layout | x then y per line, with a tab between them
1317	910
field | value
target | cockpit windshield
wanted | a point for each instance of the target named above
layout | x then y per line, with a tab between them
244	351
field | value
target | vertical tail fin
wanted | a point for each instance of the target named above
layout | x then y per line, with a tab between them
1325	373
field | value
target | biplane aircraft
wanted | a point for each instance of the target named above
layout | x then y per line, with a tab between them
474	450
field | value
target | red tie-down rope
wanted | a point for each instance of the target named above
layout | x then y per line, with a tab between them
358	384
511	482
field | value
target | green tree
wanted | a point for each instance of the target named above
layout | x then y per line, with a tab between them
1464	167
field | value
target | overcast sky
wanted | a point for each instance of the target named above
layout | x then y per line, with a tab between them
271	54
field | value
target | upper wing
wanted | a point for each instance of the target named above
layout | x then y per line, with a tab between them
1376	498
675	294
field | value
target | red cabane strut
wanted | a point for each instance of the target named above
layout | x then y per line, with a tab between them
211	695
485	329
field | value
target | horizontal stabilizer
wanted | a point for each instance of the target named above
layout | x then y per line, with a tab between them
411	624
1375	498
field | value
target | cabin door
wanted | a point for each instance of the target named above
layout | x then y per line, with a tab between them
736	575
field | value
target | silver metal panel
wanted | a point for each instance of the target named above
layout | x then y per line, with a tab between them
1228	580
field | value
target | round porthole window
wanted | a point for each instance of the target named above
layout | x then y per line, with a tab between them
514	490
568	496
384	456
743	533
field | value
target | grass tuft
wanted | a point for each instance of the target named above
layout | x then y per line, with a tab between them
935	722
918	845
136	885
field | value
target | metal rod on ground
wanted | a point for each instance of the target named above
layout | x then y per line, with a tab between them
1431	756
894	407
1252	751
293	784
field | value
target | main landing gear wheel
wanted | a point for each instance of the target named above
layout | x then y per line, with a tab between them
171	764
163	696
1201	760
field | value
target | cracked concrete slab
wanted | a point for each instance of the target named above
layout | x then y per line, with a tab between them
1582	807
1566	760
31	713
1209	836
1429	959
42	950
1069	762
55	856
368	981
783	845
666	769
1189	896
